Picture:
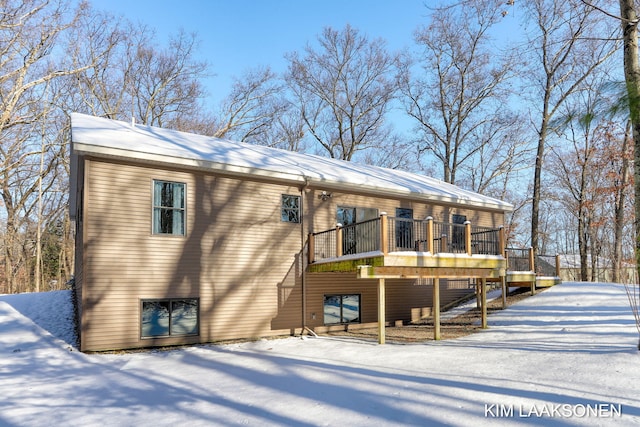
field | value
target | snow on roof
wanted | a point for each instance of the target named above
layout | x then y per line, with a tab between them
111	138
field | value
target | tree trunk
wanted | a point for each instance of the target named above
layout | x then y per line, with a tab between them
619	207
632	79
583	239
537	178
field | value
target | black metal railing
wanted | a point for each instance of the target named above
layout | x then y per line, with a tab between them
324	244
485	240
518	259
361	237
406	234
545	265
403	235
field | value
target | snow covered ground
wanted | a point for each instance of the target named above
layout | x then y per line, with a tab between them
567	356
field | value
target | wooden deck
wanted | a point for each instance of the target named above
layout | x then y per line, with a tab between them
399	248
408	265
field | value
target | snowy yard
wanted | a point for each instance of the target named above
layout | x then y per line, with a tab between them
567	355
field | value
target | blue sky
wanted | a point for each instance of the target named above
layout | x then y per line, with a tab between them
240	34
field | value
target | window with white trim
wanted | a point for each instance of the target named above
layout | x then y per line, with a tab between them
168	208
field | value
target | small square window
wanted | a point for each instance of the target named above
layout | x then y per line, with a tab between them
290	208
168	208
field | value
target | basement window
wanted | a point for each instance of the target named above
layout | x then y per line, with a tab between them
169	317
340	309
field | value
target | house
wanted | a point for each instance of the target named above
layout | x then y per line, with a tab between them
570	269
184	239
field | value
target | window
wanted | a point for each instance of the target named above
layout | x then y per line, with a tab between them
349	215
458	232
168	208
290	208
341	309
404	228
353	240
169	317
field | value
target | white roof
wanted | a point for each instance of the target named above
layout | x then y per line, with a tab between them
110	138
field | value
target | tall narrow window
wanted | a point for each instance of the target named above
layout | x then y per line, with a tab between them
290	208
168	208
457	240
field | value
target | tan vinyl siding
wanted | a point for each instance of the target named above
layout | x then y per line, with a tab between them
237	256
324	212
78	274
406	299
243	263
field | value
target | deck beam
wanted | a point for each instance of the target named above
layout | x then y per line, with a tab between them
395	272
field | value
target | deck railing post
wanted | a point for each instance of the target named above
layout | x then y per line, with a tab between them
532	263
339	240
557	265
502	250
311	248
443	243
429	247
467	237
384	233
532	266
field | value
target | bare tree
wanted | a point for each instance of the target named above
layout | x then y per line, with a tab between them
256	110
104	89
343	90
458	95
138	77
620	175
569	41
32	32
574	169
165	82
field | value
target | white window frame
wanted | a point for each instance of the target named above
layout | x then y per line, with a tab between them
179	212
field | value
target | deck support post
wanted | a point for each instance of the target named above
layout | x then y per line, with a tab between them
483	286
504	279
503	282
436	308
381	311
